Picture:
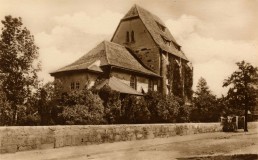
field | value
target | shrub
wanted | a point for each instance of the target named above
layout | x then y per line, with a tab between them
135	110
183	114
163	109
112	104
228	124
27	116
82	107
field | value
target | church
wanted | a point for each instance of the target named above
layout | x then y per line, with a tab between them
141	56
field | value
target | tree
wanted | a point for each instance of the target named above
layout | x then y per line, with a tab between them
5	109
205	109
18	55
241	93
46	101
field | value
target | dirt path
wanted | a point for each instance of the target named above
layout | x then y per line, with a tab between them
178	147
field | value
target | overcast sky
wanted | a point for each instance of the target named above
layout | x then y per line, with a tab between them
214	34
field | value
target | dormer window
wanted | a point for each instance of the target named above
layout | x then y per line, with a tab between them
177	46
166	41
161	27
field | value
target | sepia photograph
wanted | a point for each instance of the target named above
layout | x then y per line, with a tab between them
128	80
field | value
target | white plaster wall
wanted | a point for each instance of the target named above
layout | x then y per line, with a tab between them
85	79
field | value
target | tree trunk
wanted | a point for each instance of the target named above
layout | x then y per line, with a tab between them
246	106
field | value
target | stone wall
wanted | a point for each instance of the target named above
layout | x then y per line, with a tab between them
14	139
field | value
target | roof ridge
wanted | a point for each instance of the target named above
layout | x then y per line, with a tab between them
133	12
155	17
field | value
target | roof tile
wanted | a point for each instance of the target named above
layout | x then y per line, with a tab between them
108	53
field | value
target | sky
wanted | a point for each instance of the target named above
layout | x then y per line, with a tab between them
214	34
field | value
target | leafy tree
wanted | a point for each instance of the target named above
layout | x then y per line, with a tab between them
46	102
5	109
204	104
18	55
241	93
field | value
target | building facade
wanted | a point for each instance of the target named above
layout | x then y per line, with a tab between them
142	54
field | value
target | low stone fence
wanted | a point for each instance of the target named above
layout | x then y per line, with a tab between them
21	138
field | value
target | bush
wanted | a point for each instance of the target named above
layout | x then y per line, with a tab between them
183	114
112	105
228	124
27	116
163	109
82	107
135	110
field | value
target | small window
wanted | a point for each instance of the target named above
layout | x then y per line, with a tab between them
72	85
132	36
77	85
133	82
127	37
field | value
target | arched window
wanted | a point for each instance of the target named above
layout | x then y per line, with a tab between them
127	37
133	82
151	85
132	36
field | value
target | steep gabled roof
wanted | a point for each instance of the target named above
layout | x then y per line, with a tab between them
107	53
117	85
157	29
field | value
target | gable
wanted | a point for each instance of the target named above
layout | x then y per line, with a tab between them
157	29
143	46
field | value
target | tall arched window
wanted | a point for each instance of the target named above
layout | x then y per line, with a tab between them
133	82
132	36
127	37
151	85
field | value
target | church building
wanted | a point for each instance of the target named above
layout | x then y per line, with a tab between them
142	56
